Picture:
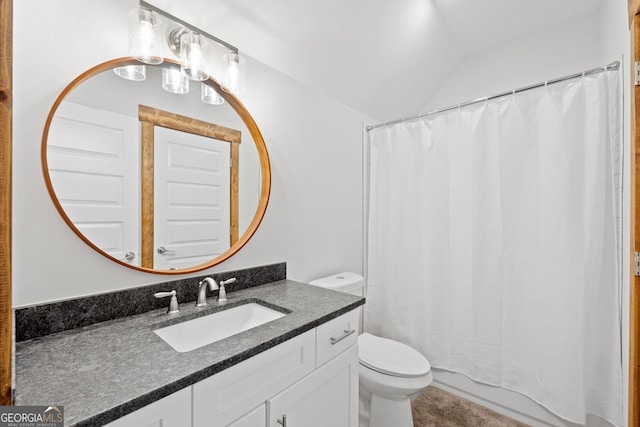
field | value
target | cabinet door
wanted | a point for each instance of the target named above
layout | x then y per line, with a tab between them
228	395
171	411
255	418
326	397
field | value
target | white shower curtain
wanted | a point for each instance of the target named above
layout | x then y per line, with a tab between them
494	247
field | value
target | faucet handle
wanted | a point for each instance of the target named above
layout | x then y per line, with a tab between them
222	296
226	282
173	304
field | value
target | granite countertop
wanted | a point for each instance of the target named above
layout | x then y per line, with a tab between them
104	371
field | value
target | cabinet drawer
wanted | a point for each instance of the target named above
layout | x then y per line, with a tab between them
335	336
224	397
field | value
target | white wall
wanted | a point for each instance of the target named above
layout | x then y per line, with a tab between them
313	221
555	52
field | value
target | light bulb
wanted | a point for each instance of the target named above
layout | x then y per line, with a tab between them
192	60
145	34
234	74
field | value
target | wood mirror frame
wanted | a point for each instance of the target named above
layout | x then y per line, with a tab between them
238	107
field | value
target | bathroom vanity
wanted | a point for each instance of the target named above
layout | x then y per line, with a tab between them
103	357
302	366
302	379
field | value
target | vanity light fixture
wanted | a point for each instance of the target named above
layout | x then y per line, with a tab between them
147	23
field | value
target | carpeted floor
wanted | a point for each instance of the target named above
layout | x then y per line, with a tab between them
438	408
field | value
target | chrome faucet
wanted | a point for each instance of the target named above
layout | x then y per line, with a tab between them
202	290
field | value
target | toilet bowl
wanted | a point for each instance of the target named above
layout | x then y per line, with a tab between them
390	373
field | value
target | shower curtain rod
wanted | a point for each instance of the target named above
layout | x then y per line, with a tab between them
610	67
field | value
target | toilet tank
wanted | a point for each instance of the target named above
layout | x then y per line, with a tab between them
351	283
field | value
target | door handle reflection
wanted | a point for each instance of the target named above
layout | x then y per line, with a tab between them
164	251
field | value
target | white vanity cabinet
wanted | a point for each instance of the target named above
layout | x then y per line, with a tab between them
223	398
310	380
171	411
329	395
326	397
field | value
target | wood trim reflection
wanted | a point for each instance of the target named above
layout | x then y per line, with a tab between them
186	124
234	197
265	170
634	9
149	118
147	192
6	63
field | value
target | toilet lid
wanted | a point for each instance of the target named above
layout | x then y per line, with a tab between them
391	357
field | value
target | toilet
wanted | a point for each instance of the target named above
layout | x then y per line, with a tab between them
391	373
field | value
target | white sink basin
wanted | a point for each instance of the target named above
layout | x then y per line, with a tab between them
198	332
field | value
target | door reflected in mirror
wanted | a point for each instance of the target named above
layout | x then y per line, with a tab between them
157	181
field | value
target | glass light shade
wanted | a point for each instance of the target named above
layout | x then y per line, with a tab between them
209	95
145	36
192	58
174	81
235	73
137	73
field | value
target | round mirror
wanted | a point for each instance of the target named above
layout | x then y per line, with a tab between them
157	173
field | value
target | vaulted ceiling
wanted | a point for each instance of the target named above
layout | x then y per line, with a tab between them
385	58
